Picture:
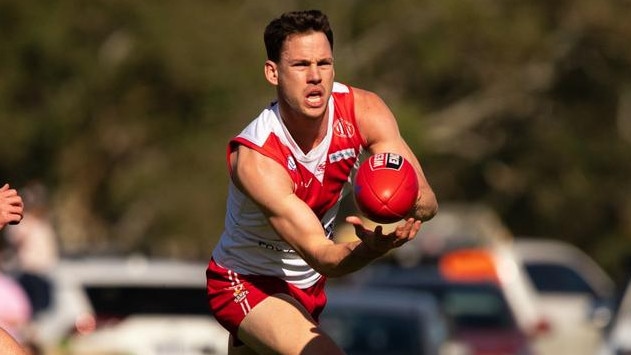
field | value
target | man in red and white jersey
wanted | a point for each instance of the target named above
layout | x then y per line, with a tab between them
289	169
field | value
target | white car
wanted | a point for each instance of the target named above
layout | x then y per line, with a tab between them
131	306
574	292
619	340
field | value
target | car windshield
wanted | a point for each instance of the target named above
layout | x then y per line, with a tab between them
121	301
367	333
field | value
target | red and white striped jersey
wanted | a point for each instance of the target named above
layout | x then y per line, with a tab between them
248	244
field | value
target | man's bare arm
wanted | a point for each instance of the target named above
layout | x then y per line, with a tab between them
380	129
269	185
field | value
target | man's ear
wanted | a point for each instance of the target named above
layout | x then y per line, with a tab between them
271	72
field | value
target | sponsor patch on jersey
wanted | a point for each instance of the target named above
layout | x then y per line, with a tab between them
341	155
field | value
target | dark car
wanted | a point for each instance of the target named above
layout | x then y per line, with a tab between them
384	322
477	311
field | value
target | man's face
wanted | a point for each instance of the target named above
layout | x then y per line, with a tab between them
304	75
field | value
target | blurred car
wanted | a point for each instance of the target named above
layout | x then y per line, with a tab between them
475	305
384	322
131	306
456	226
618	340
574	292
476	233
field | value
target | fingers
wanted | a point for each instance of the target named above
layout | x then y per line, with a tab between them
409	229
6	191
11	206
354	220
15	219
377	240
405	232
360	230
7	217
11	201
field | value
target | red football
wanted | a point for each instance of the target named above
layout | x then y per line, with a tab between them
385	187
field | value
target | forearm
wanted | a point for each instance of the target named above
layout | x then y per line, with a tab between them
340	259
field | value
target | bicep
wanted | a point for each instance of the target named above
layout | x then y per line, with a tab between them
376	123
268	184
379	127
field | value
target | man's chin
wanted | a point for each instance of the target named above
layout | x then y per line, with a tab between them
314	112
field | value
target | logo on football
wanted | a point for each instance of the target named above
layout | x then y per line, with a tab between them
385	187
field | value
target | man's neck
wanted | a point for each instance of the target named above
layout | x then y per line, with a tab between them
307	132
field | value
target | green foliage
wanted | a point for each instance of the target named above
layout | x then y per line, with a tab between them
123	108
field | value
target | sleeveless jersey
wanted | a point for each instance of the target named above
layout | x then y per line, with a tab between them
248	244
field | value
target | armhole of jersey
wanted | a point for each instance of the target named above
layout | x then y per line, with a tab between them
232	146
237	141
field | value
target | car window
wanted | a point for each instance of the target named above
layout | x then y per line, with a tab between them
557	278
476	308
120	301
467	305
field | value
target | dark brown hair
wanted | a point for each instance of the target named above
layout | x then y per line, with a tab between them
294	22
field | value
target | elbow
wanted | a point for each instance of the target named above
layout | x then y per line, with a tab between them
432	209
428	208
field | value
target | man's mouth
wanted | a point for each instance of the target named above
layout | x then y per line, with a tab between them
314	98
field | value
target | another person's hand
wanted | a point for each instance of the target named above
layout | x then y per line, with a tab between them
11	206
382	243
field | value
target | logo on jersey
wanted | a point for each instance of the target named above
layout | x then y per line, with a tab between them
341	155
306	184
291	163
343	128
274	247
320	168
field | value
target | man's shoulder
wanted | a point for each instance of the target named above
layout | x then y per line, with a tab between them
339	88
261	127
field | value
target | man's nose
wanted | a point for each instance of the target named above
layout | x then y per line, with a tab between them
314	74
